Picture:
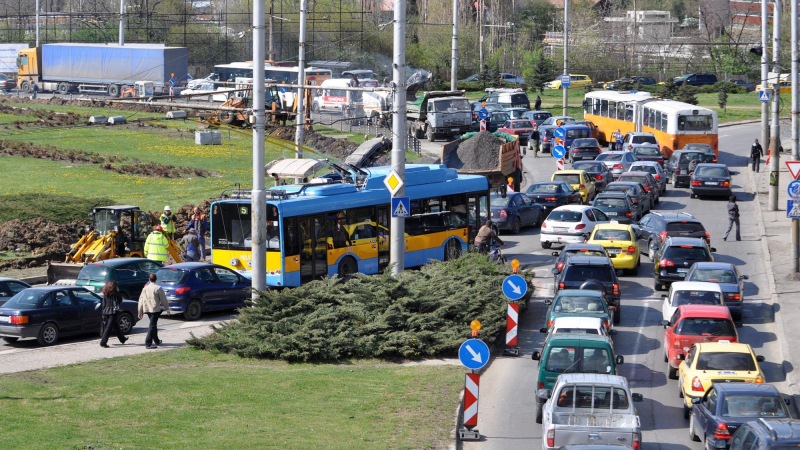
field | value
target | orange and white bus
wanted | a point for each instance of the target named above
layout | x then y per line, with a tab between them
674	124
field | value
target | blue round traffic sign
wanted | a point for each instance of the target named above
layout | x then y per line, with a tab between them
474	354
794	189
515	287
559	152
483	113
172	81
560	133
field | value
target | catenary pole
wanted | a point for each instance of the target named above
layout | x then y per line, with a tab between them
454	57
399	142
480	33
795	131
121	22
775	135
258	217
764	71
565	99
301	78
37	23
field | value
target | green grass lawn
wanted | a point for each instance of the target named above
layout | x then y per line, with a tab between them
6	119
189	399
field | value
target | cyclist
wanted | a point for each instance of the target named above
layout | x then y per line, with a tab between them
485	236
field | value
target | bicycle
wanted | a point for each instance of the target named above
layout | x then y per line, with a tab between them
496	254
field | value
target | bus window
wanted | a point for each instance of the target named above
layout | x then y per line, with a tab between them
337	229
604	108
620	111
695	123
360	224
231	225
657	123
664	122
612	110
457	206
291	246
434	205
273	230
596	107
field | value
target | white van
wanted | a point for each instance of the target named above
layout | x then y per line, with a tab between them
331	96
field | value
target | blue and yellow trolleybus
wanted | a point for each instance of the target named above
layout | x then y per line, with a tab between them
319	230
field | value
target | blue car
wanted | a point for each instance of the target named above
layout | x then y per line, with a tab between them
515	211
196	287
727	276
50	312
726	406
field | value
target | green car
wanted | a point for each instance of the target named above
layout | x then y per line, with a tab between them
573	353
131	274
578	303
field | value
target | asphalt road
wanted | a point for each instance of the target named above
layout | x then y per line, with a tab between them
507	388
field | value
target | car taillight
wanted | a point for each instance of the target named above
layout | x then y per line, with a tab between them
560	265
617	166
561	285
330	246
628	214
725	184
616	289
676	344
666	263
630	146
647	188
580	226
714	160
583	186
631	249
636	441
545	139
549	323
544	224
759	380
697	386
661	160
658	177
663	235
605	322
540	385
18	320
730	296
599	178
182	290
550	199
503	214
708	237
722	432
551	438
697	183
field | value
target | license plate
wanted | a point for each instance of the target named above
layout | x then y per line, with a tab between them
684	171
612	251
454	129
711	183
561	230
611	213
683	270
5	319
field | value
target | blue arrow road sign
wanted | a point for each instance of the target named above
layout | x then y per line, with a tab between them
560	133
514	287
565	80
172	81
794	188
483	113
473	354
558	152
764	96
401	206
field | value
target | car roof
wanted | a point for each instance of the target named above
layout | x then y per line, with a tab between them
780	430
681	151
712	165
612	194
577	337
580	208
573	125
645	163
115	262
580	293
583	246
730	347
696	286
680	216
11	279
57	288
624	183
569	172
584	260
190	265
713	265
578	322
616	152
746	388
635	173
694	242
613	226
577	378
705	311
641	133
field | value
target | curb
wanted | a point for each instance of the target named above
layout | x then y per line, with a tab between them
783	346
740	122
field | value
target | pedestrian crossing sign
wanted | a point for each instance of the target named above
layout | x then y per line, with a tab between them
764	96
401	206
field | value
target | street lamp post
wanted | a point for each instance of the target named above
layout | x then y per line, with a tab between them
775	138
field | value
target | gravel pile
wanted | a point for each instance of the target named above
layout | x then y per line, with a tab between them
480	152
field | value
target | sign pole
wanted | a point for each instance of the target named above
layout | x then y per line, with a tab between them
301	63
764	71
795	131
397	246
454	50
566	48
775	135
258	205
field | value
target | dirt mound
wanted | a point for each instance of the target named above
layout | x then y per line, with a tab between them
479	152
338	148
40	237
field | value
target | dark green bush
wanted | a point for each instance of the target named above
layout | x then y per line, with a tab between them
421	313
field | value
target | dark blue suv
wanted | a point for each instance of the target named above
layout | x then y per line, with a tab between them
767	434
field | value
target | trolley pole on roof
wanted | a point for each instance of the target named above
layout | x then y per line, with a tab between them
454	64
397	247
566	49
775	135
301	78
258	205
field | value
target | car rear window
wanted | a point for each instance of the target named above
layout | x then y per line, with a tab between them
583	273
725	361
584	143
648	169
705	327
591	167
609	157
610	203
696	298
565	216
519	98
541	116
646	151
586	252
687	253
634	179
578	133
713	275
521	125
500	201
93	272
578	330
568	178
685	227
26	299
612	235
711	172
543	189
171	276
753	406
592	397
582	304
644	140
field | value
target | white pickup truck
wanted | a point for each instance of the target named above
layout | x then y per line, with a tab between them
586	408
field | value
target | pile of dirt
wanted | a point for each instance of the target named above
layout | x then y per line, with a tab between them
480	152
43	118
337	148
40	237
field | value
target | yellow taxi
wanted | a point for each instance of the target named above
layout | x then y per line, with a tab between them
786	87
579	180
716	362
620	243
575	82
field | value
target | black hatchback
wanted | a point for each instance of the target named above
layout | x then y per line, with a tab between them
589	272
672	261
677	166
617	206
711	179
576	249
50	312
584	149
654	228
552	194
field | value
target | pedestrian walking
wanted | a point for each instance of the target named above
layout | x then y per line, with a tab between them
535	139
538	104
199	223
35	90
153	302
353	81
155	247
112	301
733	217
485	236
168	220
756	152
190	245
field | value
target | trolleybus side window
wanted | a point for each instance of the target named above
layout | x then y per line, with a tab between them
596	107
273	230
291	245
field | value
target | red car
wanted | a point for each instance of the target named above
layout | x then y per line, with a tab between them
693	324
522	128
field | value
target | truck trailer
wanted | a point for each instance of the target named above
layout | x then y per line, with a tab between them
100	68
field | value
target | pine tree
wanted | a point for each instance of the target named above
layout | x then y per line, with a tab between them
686	95
722	98
670	90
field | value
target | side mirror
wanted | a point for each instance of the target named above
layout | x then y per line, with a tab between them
555	271
536	356
544	330
745	277
665	323
713	250
548	302
620	359
760	358
554	254
612	332
697	400
680	357
543	394
637	397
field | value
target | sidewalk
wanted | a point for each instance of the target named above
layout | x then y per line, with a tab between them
775	227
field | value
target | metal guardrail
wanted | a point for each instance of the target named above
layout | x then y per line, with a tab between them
413	144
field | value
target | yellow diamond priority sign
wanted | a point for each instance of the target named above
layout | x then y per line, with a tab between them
393	182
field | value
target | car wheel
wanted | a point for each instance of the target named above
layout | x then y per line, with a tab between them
618	315
658	199
666	358
635	271
656	286
48	335
516	227
113	90
347	267
431	137
63	88
539	220
452	250
672	373
125	323
193	310
692	434
674	180
10	340
687	412
547	245
680	389
692	195
539	412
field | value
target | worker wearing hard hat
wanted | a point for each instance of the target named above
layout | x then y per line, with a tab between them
155	247
168	222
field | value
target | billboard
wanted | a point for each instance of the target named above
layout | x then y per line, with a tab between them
8	57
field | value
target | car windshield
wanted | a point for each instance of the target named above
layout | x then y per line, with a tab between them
171	276
706	327
3	77
570	178
687	253
93	272
565	216
591	167
646	151
753	406
610	202
609	157
612	235
695	298
583	273
578	304
711	172
521	125
543	189
726	361
500	201
500	117
25	299
713	275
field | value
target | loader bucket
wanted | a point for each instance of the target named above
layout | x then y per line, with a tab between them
62	274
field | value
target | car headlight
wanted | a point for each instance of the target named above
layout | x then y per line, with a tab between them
234	262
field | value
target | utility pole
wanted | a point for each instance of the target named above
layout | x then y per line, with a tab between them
271	48
566	49
514	38
301	80
37	23
795	131
775	138
258	205
121	23
454	57
397	249
764	71
480	32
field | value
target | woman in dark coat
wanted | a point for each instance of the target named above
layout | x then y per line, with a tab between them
112	301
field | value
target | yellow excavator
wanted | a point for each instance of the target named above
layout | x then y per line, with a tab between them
99	241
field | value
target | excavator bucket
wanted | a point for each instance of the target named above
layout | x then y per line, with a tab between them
63	274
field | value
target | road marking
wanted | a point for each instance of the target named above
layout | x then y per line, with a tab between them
642	319
5	352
